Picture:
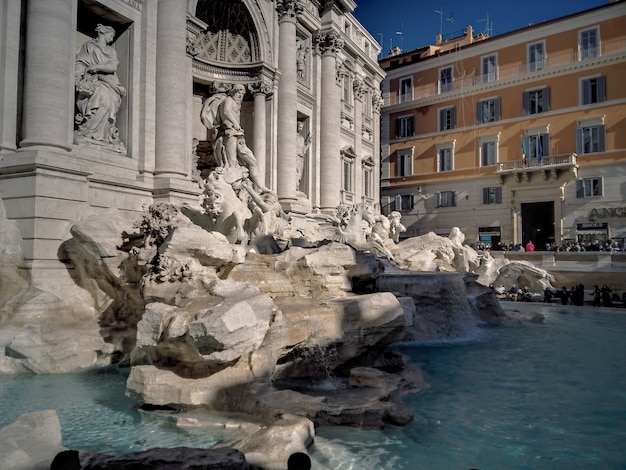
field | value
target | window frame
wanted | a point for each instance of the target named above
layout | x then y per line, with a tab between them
490	76
580	138
445	199
402	96
446	115
407	202
528	104
536	65
404	166
497	109
492	195
447	86
405	126
586	90
347	89
585	187
582	51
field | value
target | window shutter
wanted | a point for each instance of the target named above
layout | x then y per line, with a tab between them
479	112
545	144
499	195
579	140
398	205
497	109
397	128
600	188
453	117
601	89
438	199
586	86
580	189
442	117
411	128
485	195
601	138
546	99
526	103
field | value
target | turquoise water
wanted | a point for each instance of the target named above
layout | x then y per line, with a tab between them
537	396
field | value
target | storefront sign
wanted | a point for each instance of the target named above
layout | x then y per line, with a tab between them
606	212
592	225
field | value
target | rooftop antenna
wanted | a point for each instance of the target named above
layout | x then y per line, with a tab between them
399	33
488	25
440	19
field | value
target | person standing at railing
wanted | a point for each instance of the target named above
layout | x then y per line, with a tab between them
529	246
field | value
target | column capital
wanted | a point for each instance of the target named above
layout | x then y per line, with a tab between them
263	86
328	42
288	10
378	101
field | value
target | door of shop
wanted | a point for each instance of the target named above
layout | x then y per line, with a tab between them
538	223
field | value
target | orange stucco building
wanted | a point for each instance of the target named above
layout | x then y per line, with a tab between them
514	137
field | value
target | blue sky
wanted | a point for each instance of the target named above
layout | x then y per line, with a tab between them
419	20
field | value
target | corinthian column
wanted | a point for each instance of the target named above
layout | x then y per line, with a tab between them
260	90
288	10
171	90
329	44
48	77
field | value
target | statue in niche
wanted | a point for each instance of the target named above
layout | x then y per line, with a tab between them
221	113
239	205
302	54
99	91
302	144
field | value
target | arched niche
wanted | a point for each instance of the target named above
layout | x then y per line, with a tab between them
236	33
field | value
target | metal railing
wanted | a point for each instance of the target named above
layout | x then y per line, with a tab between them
516	70
549	161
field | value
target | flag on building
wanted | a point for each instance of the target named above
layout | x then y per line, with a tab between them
523	149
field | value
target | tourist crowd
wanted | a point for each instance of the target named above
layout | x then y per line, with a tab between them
600	297
610	246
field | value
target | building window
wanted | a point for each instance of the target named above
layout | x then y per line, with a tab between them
489	68
406	90
445	79
589	187
492	195
367	103
405	163
404	127
537	146
347	175
592	90
536	56
590	139
445	199
488	110
367	182
588	44
404	202
536	101
447	118
444	159
347	97
488	153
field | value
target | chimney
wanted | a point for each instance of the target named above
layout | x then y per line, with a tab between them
470	34
439	39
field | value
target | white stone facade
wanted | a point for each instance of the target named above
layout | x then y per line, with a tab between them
299	60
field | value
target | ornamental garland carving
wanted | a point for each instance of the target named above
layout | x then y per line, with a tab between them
377	101
359	88
288	9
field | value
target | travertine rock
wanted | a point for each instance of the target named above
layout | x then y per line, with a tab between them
31	442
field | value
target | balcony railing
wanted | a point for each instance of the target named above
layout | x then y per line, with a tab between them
515	71
547	162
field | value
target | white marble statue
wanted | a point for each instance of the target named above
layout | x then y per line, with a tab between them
99	91
221	113
302	143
